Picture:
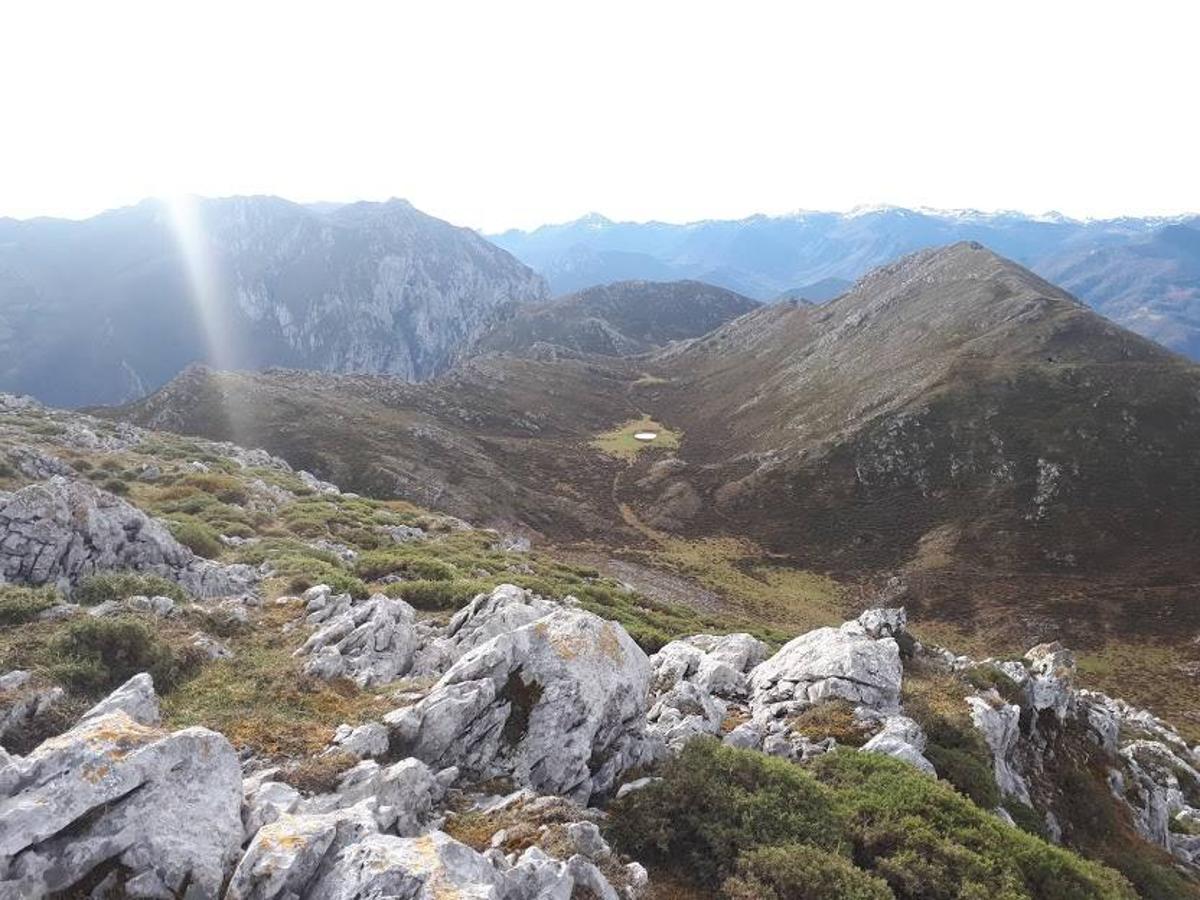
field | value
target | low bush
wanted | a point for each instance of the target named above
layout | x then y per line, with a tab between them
19	605
197	537
928	841
96	589
438	595
800	872
378	563
225	488
115	486
99	654
715	802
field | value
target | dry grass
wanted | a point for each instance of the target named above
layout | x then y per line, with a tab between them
261	699
834	719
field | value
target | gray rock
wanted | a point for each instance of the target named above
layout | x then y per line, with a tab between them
365	741
370	641
685	712
716	663
827	663
877	623
558	705
1001	729
36	464
903	739
428	867
166	806
135	698
209	647
586	839
404	534
162	607
60	531
401	797
505	609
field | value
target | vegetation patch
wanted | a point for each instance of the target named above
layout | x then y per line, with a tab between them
99	654
105	586
936	700
833	718
738	817
620	443
801	872
19	605
261	699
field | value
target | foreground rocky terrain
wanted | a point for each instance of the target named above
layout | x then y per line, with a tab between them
224	677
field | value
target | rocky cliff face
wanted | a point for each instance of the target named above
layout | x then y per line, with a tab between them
110	308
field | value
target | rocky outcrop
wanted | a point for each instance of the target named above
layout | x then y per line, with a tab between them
716	663
558	705
505	608
847	663
167	807
369	641
684	712
60	531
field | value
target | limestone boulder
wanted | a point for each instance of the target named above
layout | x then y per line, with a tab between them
829	663
558	705
166	806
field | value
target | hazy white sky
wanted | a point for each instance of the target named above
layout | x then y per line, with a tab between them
495	114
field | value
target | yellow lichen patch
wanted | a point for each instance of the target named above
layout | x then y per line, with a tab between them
609	644
285	833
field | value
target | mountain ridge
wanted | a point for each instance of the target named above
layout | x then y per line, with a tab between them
765	257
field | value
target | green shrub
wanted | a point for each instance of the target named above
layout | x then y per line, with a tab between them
715	802
961	756
225	488
438	595
800	872
98	654
1027	818
301	566
115	486
928	841
96	589
377	563
19	605
197	537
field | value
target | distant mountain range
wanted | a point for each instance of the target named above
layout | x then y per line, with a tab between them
108	309
1141	272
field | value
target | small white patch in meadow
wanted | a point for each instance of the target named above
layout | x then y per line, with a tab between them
645	435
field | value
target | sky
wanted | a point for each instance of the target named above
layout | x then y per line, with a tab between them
513	114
